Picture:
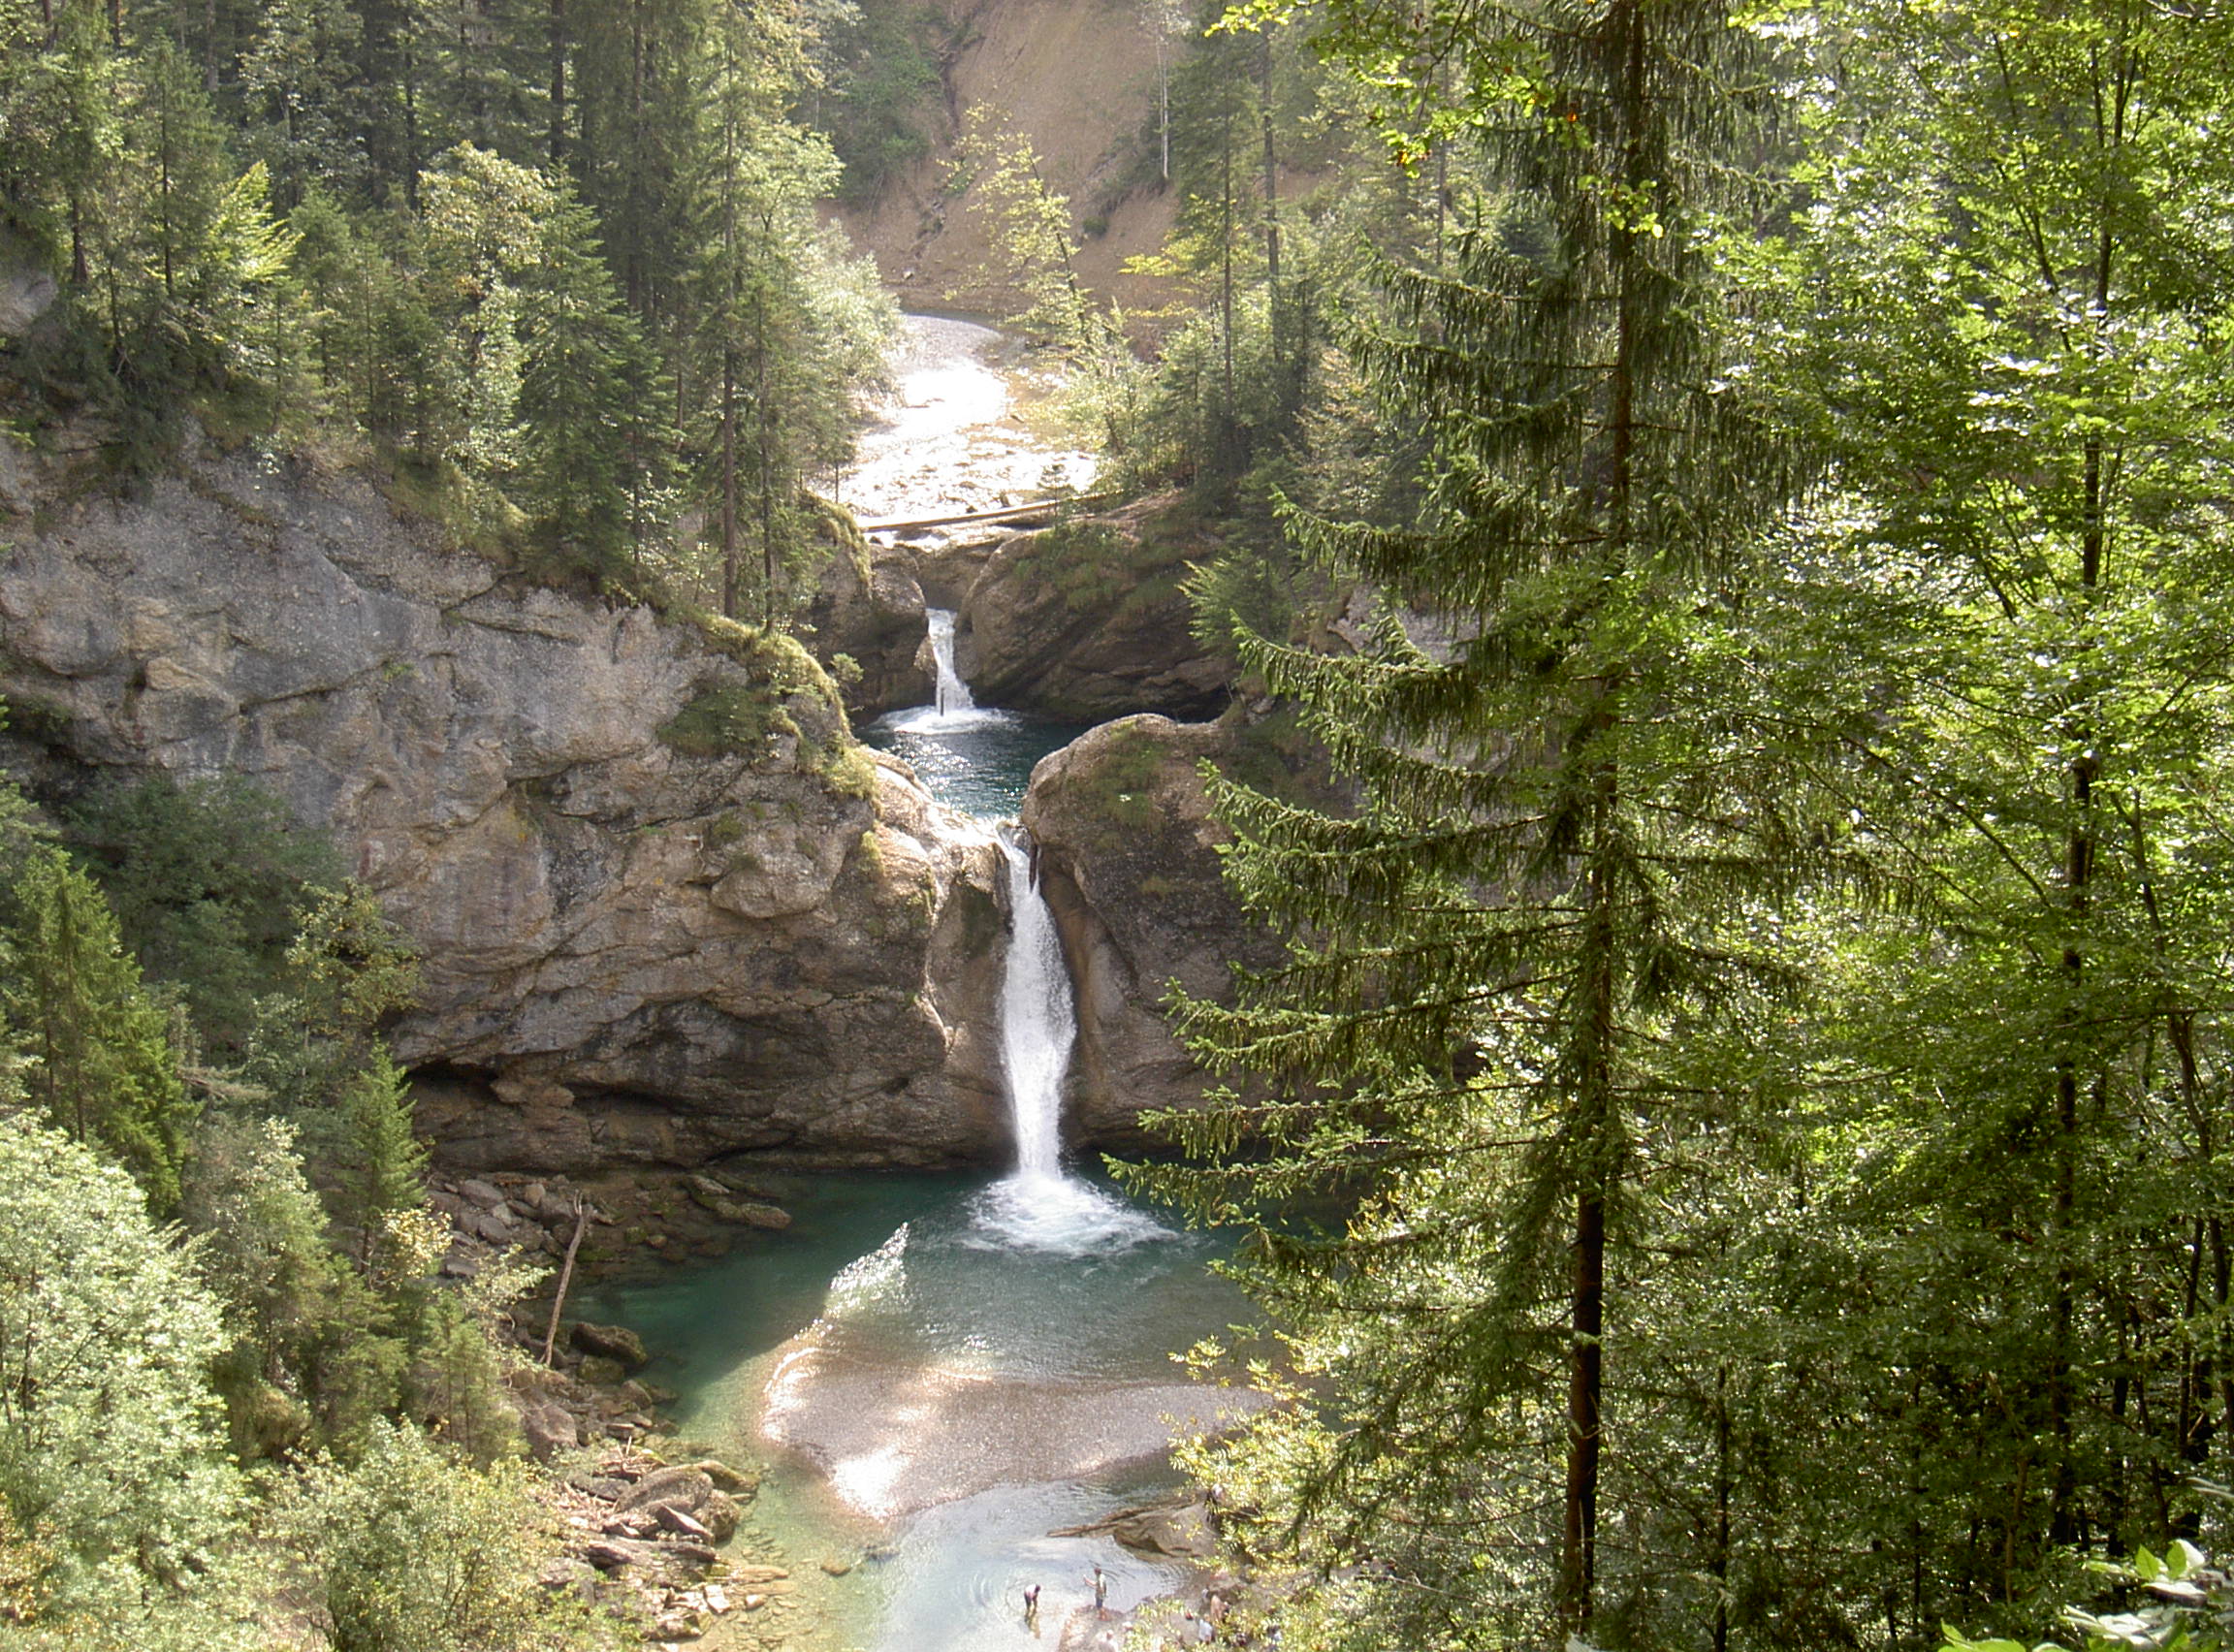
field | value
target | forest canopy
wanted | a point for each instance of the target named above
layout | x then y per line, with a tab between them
560	274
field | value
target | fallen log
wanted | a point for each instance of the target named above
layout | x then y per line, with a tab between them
1004	513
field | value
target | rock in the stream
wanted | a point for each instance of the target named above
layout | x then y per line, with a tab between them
1129	864
684	1488
720	1515
600	1372
617	1343
548	1428
868	606
1183	1532
1087	620
725	1477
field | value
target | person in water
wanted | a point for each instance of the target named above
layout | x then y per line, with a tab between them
1101	1591
1032	1608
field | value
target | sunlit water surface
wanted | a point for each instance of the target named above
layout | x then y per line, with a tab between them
977	762
959	1366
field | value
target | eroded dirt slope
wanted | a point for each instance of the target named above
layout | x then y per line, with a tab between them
1078	78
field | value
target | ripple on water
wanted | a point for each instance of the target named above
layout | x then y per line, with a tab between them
977	762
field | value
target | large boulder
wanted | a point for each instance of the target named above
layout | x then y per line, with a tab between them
668	911
868	607
1087	621
1129	862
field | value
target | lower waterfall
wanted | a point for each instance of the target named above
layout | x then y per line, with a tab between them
1038	1206
1038	1020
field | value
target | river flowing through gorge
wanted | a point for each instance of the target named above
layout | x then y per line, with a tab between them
945	1372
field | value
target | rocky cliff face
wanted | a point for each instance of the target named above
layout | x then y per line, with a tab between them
868	606
1128	857
668	911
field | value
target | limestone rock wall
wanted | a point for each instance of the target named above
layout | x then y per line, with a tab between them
1128	860
1088	619
631	952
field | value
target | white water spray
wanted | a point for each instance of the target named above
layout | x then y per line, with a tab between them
1038	1207
1037	1022
953	693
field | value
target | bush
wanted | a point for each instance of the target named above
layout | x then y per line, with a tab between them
408	1549
112	1442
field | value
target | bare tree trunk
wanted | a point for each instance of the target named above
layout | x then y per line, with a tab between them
565	1278
729	484
557	79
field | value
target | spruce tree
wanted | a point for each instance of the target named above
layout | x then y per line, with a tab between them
382	1165
583	385
1563	836
102	1069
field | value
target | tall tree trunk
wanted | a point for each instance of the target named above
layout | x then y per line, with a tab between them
1271	199
557	80
729	483
1595	1076
1225	277
2079	856
768	461
1585	1393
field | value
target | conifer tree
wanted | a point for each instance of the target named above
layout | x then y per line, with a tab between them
382	1165
753	316
582	389
1562	838
103	1069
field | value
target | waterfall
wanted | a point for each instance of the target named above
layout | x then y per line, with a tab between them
1038	1206
1037	1022
953	692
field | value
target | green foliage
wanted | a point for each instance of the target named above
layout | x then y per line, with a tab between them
311	1360
111	1441
382	1165
587	378
507	248
348	966
408	1549
2178	1601
1121	784
1556	887
206	879
105	1068
883	78
730	720
1027	226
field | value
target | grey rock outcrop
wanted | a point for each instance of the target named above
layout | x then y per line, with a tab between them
868	606
27	289
667	911
1128	859
1087	620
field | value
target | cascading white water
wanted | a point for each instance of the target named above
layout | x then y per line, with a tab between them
1037	1024
1038	1207
953	693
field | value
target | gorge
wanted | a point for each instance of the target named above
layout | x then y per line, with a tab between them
664	933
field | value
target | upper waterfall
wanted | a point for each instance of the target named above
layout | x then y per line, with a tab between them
954	694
